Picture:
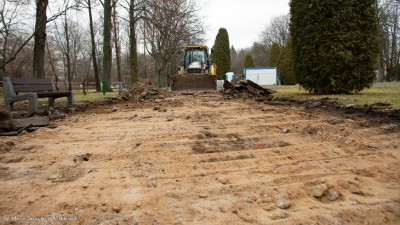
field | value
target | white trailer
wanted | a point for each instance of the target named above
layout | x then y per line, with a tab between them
262	75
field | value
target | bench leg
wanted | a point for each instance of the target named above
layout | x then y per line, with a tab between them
33	101
70	100
51	101
8	104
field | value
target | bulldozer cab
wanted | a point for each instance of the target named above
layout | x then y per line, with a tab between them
196	60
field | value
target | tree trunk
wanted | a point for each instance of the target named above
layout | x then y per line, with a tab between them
94	57
116	43
68	55
40	38
107	54
5	43
133	43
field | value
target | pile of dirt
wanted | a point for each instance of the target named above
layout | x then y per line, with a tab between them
245	89
144	91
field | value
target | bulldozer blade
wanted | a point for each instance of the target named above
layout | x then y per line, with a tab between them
193	82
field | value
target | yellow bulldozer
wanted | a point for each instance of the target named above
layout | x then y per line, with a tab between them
196	72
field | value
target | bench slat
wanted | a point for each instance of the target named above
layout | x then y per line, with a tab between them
30	81
32	88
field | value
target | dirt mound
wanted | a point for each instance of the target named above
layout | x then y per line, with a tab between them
245	89
145	90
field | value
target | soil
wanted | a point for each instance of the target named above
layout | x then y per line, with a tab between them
202	159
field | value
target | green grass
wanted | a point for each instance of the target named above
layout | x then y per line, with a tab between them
386	92
91	96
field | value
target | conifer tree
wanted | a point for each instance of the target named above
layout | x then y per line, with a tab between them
286	66
248	62
274	55
335	44
222	53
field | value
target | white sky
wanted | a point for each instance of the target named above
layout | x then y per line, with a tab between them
243	19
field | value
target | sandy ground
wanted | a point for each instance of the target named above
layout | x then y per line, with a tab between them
201	160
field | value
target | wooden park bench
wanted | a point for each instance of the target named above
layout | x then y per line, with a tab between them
32	88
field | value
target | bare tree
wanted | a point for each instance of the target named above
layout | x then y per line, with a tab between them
260	54
170	24
83	61
389	25
39	33
133	59
93	45
67	52
117	45
136	10
10	17
238	61
69	41
277	31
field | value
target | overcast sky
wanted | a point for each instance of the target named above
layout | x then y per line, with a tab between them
243	19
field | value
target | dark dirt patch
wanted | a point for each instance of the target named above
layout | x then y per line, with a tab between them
379	111
13	160
229	158
6	147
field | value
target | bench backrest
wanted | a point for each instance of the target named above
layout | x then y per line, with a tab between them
31	84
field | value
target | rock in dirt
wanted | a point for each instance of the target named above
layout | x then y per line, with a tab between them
319	190
285	130
55	177
82	158
279	215
117	209
373	145
333	195
203	195
223	180
283	203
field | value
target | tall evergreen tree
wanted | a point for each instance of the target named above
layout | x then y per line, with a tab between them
222	54
248	62
286	66
233	52
335	44
274	55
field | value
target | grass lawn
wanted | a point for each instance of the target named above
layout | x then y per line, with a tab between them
91	95
385	92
